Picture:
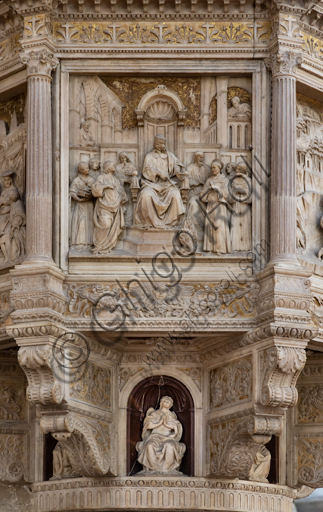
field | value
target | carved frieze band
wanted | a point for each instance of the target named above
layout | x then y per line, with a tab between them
170	493
160	33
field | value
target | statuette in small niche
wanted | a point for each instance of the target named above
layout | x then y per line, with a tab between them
12	221
86	139
160	451
239	109
82	208
109	210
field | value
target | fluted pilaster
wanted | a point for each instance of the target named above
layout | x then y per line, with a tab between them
39	156
283	156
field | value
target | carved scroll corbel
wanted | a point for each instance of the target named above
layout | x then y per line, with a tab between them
43	387
281	367
83	447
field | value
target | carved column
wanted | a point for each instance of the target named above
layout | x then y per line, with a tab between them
283	159
222	107
40	64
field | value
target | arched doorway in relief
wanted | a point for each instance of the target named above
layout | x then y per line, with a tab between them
147	394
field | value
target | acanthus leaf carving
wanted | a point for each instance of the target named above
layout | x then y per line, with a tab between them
310	462
235	453
39	63
84	445
284	64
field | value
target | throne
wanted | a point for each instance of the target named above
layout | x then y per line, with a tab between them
161	112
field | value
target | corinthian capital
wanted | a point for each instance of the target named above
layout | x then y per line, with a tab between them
285	63
40	62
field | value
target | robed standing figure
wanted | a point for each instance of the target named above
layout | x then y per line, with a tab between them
159	202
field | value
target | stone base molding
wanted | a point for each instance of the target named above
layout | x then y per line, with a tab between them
164	493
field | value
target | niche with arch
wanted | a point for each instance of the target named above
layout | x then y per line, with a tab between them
147	394
161	112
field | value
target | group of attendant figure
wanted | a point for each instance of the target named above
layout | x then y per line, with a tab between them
219	200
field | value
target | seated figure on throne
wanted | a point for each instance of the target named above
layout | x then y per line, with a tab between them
159	202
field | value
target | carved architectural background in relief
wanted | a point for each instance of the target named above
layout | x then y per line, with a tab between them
95	387
231	384
9	48
130	91
10	107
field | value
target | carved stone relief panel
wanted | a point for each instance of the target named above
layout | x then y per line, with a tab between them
306	425
151	159
12	180
309	178
14	428
231	384
95	387
13	456
182	302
